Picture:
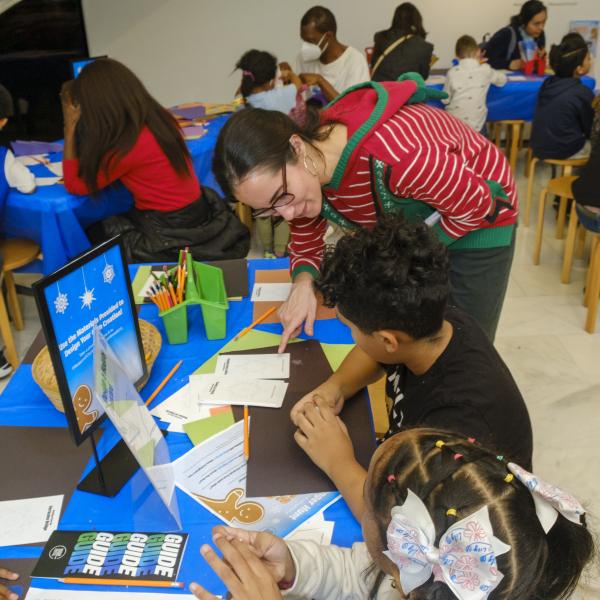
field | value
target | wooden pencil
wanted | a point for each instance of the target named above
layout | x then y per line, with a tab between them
260	319
246	433
162	384
124	582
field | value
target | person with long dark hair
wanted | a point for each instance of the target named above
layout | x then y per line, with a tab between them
116	131
375	151
504	49
401	48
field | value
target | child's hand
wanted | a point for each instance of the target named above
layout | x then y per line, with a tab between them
272	551
324	437
329	392
311	78
244	574
4	591
71	111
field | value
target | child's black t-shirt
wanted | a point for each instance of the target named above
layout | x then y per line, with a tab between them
468	390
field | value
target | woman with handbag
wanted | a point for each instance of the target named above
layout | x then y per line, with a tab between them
402	48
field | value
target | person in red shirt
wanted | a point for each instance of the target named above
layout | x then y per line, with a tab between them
115	130
377	149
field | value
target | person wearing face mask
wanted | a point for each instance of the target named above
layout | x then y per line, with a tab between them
323	60
504	49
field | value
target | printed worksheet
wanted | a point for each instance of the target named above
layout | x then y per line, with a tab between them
214	389
271	292
178	409
29	521
254	366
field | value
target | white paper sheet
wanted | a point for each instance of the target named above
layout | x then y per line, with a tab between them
148	283
212	389
33	159
29	521
40	594
178	409
271	292
45	181
254	366
56	168
316	529
517	78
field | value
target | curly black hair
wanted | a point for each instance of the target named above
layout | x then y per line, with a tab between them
394	276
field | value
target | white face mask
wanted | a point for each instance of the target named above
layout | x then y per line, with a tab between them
310	52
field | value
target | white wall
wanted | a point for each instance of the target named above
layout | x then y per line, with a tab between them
185	50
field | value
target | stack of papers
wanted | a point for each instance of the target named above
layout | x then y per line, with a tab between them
29	521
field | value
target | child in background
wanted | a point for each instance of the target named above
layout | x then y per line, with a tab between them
12	175
444	517
258	87
563	116
467	84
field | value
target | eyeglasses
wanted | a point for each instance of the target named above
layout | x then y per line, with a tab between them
282	200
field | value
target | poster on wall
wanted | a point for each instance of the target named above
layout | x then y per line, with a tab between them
93	290
588	29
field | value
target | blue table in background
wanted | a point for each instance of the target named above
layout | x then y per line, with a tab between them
515	100
56	220
24	404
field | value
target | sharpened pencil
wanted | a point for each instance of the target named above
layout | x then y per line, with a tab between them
162	384
260	319
124	582
246	433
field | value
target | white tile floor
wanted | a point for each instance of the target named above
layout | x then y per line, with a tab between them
554	361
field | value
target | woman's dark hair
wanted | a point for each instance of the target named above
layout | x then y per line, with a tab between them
257	138
568	55
538	565
528	10
115	106
394	276
6	103
322	18
257	68
408	20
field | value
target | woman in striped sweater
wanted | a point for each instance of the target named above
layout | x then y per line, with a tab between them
376	150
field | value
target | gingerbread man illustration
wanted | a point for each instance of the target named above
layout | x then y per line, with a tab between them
231	509
82	401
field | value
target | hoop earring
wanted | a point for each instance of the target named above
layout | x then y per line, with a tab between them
314	172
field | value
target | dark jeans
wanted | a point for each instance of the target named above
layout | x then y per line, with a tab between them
590	220
478	282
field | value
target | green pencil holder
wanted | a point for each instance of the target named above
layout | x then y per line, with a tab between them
175	322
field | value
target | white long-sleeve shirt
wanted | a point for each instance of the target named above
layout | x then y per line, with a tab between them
18	175
467	85
334	573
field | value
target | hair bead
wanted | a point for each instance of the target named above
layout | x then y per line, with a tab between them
391	478
440	444
451	512
457	456
509	478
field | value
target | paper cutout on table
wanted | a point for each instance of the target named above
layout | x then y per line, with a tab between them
214	474
214	389
46	181
271	292
281	276
194	132
316	529
202	429
21	147
274	453
97	555
30	160
55	167
178	409
254	366
62	594
128	413
29	521
517	78
191	111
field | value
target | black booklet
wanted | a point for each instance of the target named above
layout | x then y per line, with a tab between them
112	555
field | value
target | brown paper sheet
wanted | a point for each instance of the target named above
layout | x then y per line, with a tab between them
281	276
22	566
277	465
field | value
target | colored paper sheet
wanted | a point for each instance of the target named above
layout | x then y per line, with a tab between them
202	429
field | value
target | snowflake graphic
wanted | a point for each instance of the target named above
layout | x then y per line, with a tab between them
108	273
87	298
61	303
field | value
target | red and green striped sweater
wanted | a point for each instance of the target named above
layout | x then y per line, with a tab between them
414	158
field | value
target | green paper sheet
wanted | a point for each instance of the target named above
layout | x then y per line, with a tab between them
202	429
138	282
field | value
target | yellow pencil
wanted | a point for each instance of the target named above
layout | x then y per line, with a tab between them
172	292
246	434
258	321
162	384
126	582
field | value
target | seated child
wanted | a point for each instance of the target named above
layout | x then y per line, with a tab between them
444	517
563	115
12	175
468	82
259	89
390	286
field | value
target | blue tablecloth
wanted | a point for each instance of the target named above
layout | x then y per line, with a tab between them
56	220
23	403
516	99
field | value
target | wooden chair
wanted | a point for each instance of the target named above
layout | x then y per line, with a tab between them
566	170
575	244
560	186
592	287
15	253
379	407
244	214
512	130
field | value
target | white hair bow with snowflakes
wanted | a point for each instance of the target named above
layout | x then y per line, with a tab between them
465	560
549	500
